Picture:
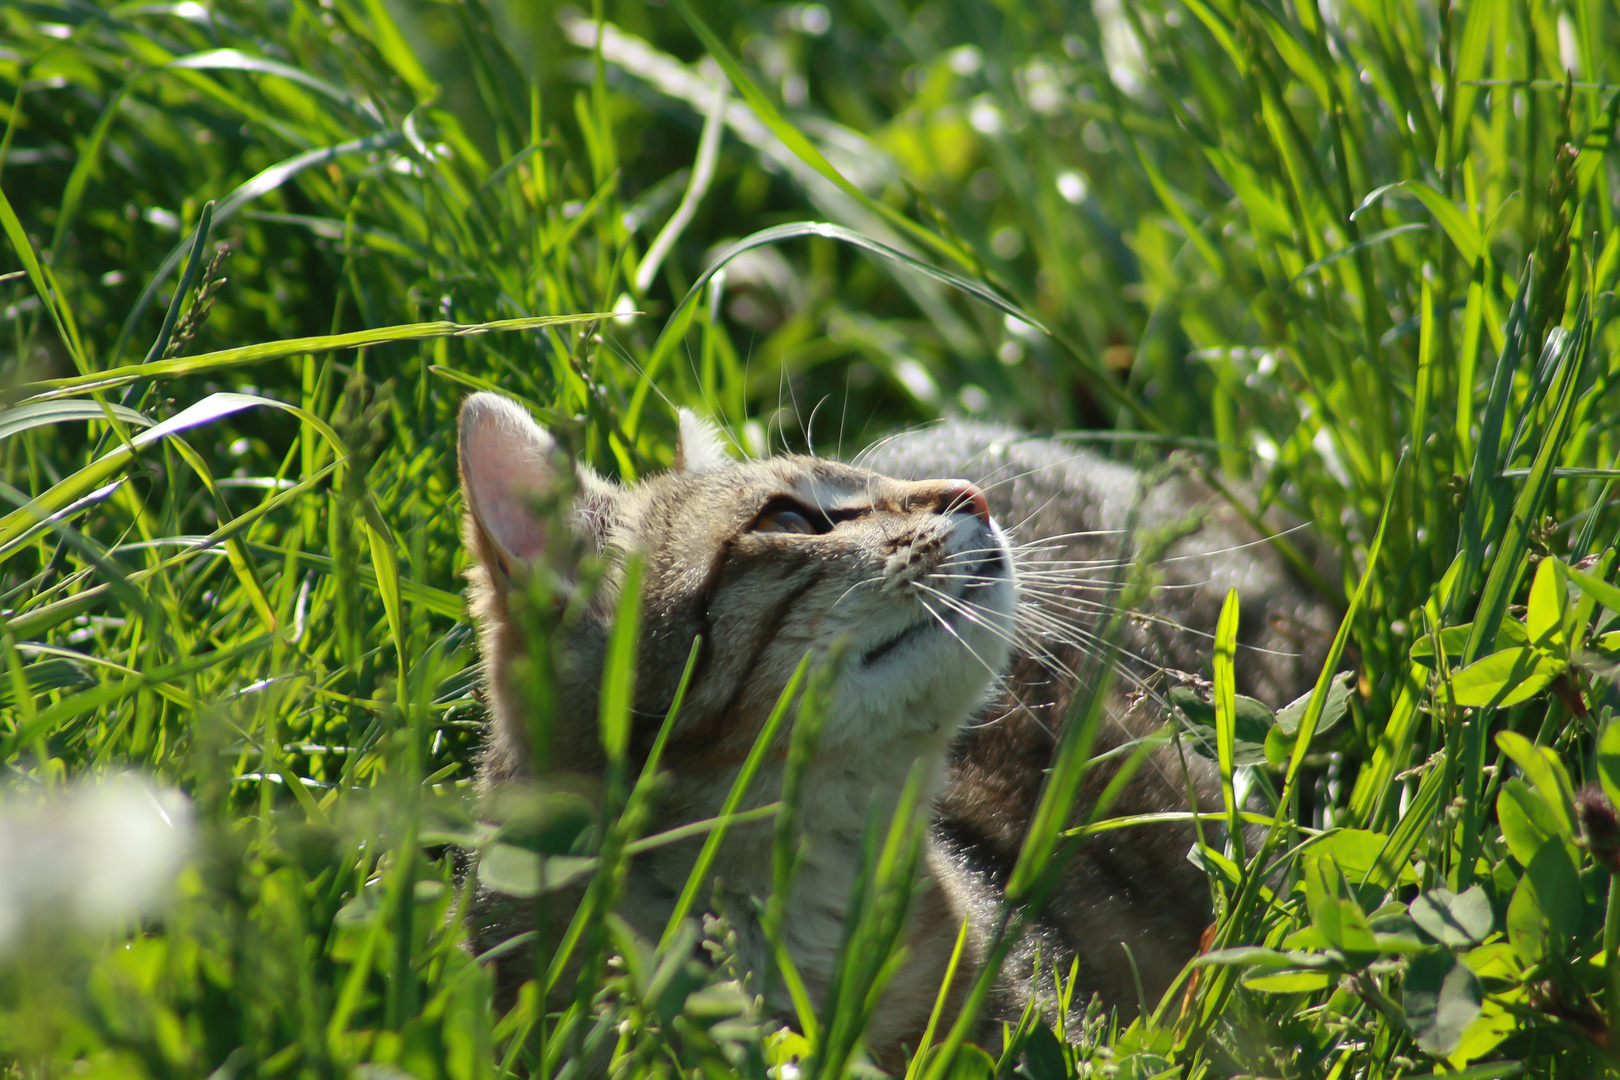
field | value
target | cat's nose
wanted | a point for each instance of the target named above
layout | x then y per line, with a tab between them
960	496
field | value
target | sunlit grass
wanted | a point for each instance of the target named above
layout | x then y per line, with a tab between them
1360	258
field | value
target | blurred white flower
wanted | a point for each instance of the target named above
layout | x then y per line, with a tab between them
624	311
966	59
1007	242
1018	327
1072	185
93	855
915	378
1043	86
1322	441
1127	60
983	115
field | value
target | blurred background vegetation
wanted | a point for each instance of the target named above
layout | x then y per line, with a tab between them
1346	257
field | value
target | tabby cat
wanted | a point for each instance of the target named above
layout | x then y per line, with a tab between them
962	645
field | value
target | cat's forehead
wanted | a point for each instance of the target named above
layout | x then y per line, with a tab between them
817	481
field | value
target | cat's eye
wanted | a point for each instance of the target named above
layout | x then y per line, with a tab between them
785	519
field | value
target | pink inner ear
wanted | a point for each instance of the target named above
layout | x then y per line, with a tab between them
511	526
505	463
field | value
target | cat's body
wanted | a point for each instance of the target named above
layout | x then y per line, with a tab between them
766	560
1130	888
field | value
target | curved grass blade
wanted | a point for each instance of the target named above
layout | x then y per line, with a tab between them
1360	245
49	297
1464	233
803	147
78	704
674	327
265	181
47	389
237	60
73	487
42	413
38	620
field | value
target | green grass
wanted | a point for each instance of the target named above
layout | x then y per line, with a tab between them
1360	267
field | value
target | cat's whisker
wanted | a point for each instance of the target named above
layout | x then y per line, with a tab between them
968	609
845	595
999	678
945	624
1079	637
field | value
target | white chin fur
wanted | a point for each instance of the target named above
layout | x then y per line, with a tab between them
934	679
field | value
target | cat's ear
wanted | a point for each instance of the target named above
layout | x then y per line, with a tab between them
506	461
701	447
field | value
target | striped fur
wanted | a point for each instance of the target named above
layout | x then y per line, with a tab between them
919	578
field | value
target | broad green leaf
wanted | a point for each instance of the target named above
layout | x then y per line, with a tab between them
1578	616
46	389
1277	747
1548	598
1504	678
1608	760
1257	956
1453	639
1546	907
1463	233
1526	925
1342	923
510	870
1355	852
1400	943
1493	1024
1541	766
1528	821
1453	919
1558	889
39	413
516	871
1252	727
1043	1055
1608	595
1442	998
1494	961
1337	705
1291	982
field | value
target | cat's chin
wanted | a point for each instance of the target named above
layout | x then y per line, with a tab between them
922	679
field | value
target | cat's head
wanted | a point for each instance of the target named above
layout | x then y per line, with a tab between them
764	560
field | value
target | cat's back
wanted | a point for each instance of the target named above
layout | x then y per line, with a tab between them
1084	527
